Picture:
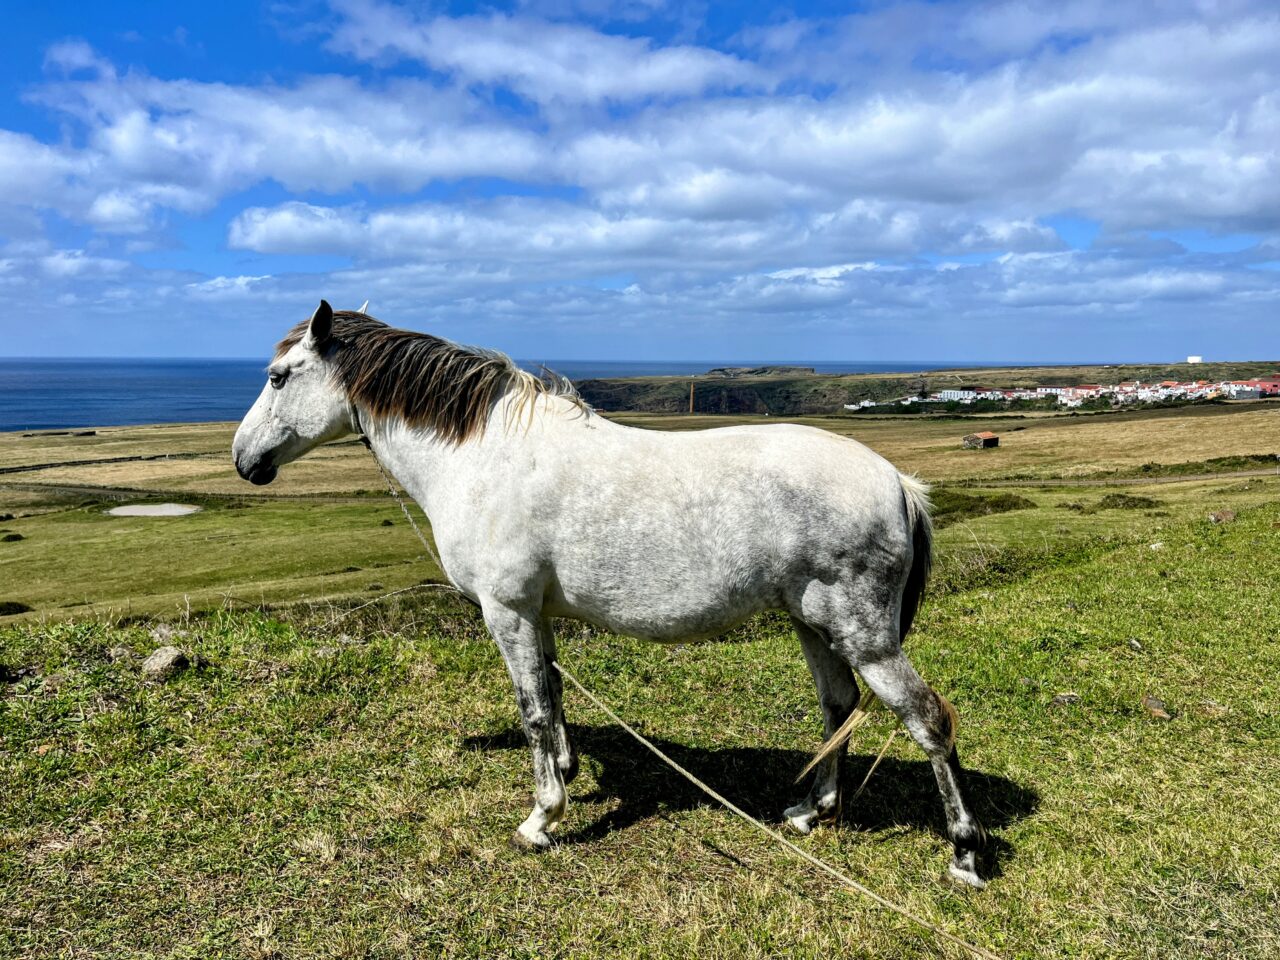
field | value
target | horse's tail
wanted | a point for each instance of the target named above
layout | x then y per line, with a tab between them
916	496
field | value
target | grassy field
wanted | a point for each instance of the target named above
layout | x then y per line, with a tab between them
326	527
322	788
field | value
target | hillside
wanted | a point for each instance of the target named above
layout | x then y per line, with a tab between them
734	390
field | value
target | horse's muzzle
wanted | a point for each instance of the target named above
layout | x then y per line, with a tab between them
259	474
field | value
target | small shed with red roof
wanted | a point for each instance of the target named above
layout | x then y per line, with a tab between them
981	440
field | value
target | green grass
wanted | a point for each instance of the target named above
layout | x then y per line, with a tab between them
952	506
1249	461
346	789
81	560
348	792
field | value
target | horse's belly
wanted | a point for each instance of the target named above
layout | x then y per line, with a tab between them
669	618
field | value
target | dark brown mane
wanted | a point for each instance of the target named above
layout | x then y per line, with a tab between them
421	379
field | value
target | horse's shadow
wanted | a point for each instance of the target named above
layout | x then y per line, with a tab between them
902	793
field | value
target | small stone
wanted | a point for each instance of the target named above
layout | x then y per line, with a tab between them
1222	516
1158	545
1065	698
1156	707
116	654
1135	644
388	523
164	663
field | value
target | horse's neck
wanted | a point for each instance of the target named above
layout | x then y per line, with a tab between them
424	464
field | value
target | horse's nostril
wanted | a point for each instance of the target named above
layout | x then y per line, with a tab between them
260	473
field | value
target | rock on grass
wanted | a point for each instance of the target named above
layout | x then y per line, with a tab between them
1156	707
165	662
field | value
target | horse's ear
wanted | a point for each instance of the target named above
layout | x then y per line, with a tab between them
321	326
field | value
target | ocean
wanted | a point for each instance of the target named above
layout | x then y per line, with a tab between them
45	394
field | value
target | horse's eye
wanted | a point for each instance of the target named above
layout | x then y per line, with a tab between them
278	377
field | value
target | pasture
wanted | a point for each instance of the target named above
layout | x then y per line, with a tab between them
310	788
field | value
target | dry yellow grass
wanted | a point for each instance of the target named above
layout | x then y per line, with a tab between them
1055	446
1041	447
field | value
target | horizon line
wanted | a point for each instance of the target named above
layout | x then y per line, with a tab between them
756	362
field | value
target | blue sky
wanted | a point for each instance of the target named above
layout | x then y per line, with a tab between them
642	180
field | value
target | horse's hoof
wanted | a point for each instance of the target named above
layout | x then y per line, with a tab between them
966	877
536	843
801	818
832	813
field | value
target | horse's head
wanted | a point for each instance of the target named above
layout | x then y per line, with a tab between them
301	406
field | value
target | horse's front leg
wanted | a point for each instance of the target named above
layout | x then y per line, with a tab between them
519	635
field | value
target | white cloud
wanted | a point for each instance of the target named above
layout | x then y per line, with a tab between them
822	275
117	211
71	56
226	288
297	228
63	264
539	59
184	145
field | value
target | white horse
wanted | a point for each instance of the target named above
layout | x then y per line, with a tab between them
542	509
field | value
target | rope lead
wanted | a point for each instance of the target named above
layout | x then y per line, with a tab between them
763	828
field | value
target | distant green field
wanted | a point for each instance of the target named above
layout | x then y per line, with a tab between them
79	560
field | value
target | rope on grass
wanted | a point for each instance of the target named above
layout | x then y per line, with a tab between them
774	834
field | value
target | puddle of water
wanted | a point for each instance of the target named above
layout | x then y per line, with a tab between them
153	510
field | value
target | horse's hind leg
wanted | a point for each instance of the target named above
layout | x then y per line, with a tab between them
519	638
566	755
931	720
838	695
